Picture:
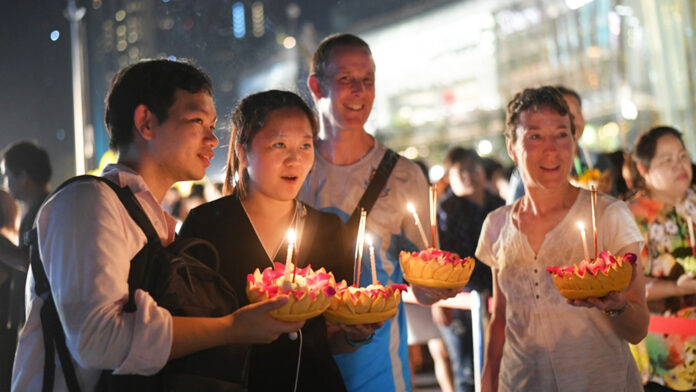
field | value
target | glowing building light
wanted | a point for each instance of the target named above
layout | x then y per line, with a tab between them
575	4
629	111
289	42
484	147
55	34
436	173
238	27
257	19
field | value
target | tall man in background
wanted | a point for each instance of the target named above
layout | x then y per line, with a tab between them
342	83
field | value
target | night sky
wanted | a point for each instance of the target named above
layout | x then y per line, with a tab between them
36	85
36	98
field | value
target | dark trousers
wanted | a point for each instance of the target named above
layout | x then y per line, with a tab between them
8	345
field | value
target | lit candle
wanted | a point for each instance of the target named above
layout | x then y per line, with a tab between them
412	210
288	257
359	244
690	223
593	202
368	238
581	226
433	216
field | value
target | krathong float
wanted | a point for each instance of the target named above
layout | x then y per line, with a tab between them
310	291
594	278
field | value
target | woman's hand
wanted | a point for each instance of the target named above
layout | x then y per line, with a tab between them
687	283
339	333
615	300
253	323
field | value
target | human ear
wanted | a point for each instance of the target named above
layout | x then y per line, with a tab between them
314	85
642	170
241	153
509	144
143	120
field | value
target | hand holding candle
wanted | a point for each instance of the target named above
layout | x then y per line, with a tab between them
288	257
412	210
581	226
368	238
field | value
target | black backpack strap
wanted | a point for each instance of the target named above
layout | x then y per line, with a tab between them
374	188
54	336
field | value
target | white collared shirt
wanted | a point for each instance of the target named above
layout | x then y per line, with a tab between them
86	242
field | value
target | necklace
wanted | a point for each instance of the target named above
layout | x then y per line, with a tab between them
297	220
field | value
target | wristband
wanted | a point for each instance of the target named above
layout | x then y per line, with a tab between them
616	312
358	343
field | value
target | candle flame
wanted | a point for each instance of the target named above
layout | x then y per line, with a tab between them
368	238
581	226
411	208
291	236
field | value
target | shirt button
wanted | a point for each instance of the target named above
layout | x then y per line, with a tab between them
537	296
536	283
535	270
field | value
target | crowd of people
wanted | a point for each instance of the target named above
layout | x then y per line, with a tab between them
292	166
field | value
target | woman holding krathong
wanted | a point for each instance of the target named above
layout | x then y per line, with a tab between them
538	340
271	151
665	209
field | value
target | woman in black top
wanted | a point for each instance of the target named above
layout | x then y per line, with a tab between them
271	152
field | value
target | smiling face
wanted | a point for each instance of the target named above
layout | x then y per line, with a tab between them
670	172
280	155
183	144
543	148
346	93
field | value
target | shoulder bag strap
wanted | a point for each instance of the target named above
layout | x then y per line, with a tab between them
53	334
374	188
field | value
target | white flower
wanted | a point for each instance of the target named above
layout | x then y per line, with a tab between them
690	207
671	227
667	242
656	232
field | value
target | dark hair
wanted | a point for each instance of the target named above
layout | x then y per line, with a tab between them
490	166
535	99
646	144
8	211
247	119
462	156
152	83
567	91
322	56
27	157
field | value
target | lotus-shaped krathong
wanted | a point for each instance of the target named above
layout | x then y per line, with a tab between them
310	294
364	305
595	278
436	268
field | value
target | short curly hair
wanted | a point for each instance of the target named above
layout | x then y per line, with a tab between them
535	99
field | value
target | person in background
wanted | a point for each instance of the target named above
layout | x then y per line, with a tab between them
342	83
12	260
497	177
461	212
538	340
27	172
664	203
599	161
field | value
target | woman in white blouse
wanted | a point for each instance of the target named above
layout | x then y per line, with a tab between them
539	341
